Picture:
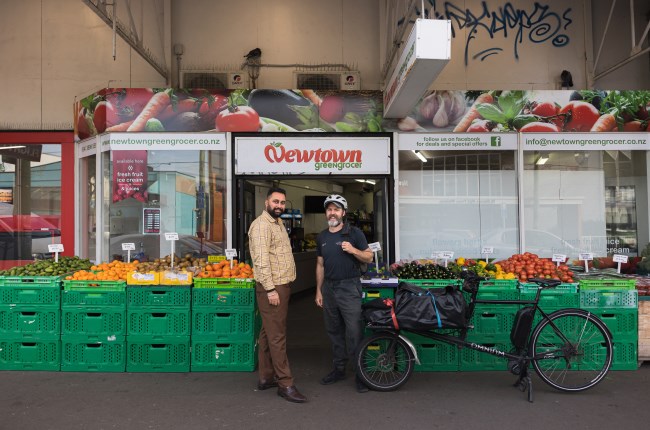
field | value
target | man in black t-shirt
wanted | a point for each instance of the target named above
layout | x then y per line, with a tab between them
340	249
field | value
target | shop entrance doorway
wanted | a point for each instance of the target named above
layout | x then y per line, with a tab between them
304	217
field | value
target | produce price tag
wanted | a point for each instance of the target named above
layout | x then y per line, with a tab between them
230	254
128	247
171	236
447	255
443	255
586	257
619	259
55	248
215	258
559	258
487	250
375	246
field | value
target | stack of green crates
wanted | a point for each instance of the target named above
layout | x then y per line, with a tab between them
491	325
30	321
93	326
616	303
225	325
158	328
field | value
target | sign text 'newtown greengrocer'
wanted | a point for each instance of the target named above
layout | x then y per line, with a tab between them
316	156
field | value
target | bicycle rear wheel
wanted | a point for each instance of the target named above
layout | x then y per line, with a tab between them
573	353
384	362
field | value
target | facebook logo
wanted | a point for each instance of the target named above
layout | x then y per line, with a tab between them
495	140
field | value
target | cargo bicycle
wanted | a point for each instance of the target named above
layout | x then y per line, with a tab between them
569	349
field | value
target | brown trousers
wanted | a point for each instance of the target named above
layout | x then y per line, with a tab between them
272	342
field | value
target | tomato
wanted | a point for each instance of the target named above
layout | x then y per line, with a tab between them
580	116
137	98
332	109
480	126
83	130
215	105
104	116
545	109
539	127
239	118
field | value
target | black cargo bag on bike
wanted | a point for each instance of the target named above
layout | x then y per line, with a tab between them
521	327
380	312
429	308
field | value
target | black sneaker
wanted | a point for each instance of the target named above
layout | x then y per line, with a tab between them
332	377
361	387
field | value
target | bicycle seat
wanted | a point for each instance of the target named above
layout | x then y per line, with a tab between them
545	283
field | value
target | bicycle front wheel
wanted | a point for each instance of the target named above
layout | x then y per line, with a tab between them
572	350
384	362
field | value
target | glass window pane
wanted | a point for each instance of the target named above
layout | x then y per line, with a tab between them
30	202
458	201
185	194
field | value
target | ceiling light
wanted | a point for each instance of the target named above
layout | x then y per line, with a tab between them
420	156
12	147
542	160
360	180
371	181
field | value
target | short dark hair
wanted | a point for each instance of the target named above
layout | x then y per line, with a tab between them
276	190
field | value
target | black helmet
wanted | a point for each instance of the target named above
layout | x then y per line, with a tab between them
339	200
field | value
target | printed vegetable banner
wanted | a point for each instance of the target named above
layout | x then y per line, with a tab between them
266	110
130	175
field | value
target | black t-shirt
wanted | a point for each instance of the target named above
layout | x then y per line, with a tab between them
338	263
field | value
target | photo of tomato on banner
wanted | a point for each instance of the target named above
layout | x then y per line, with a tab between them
129	175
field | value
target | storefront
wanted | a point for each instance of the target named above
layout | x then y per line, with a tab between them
436	181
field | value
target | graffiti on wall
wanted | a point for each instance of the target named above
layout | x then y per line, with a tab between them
538	24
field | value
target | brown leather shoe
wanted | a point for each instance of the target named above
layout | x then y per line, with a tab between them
291	394
264	384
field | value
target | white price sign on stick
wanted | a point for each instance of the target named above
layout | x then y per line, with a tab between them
443	255
128	247
375	247
173	237
230	254
618	258
487	251
55	248
586	257
559	258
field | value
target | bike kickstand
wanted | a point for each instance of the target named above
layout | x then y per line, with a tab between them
525	383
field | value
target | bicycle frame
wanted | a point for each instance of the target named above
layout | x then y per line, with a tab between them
462	343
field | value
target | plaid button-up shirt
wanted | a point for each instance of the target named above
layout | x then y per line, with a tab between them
271	252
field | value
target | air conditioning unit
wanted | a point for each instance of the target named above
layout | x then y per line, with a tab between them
327	80
214	80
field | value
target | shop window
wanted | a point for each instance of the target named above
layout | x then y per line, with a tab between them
184	192
30	201
457	201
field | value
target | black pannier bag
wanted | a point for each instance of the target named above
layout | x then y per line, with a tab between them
521	327
380	312
430	308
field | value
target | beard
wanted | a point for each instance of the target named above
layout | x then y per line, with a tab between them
333	221
275	213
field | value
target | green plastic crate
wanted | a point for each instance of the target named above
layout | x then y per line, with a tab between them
472	360
562	296
168	354
158	322
223	297
76	293
93	321
224	323
157	296
223	356
610	284
435	356
36	354
433	283
30	322
372	293
224	283
41	281
510	284
492	323
603	298
624	355
622	323
83	354
30	294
